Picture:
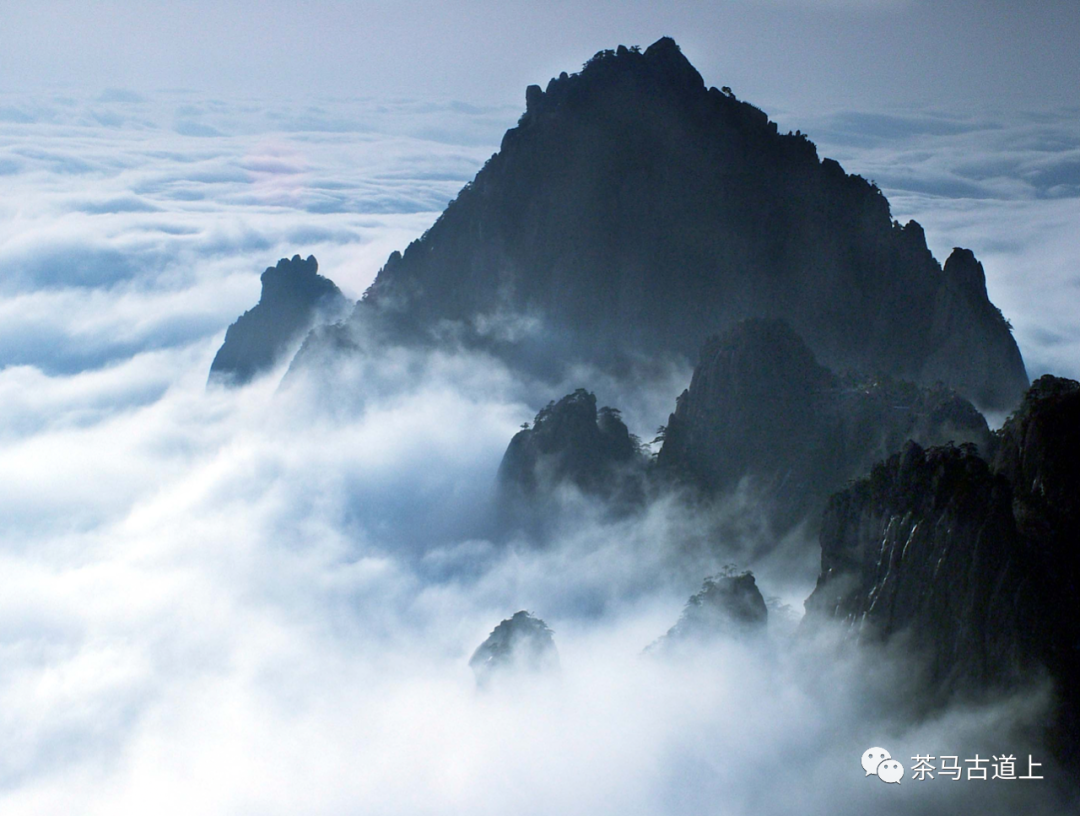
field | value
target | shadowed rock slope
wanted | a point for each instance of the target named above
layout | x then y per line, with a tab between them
978	566
633	212
294	298
760	407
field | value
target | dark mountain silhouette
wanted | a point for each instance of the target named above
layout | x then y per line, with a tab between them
570	440
633	212
294	298
728	604
978	566
522	642
972	345
1039	453
761	407
569	443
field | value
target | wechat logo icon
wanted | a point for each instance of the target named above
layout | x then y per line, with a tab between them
879	762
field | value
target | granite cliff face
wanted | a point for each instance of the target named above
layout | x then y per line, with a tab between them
633	212
927	545
978	566
761	407
294	298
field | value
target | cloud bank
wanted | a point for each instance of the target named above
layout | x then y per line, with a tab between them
264	600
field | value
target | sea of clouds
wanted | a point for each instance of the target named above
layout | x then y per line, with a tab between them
264	600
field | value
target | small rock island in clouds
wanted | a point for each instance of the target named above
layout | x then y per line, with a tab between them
295	297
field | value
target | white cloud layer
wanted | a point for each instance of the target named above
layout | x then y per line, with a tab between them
264	600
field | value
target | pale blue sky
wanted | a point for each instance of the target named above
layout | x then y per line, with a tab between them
791	54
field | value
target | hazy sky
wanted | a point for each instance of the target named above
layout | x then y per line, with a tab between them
792	53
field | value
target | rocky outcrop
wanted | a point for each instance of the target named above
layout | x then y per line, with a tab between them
729	605
634	211
927	545
521	643
294	298
977	567
571	450
570	441
761	407
973	349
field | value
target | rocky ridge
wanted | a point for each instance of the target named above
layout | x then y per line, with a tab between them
294	298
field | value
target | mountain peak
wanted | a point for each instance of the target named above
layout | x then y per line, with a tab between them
662	56
665	47
615	74
666	55
632	212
